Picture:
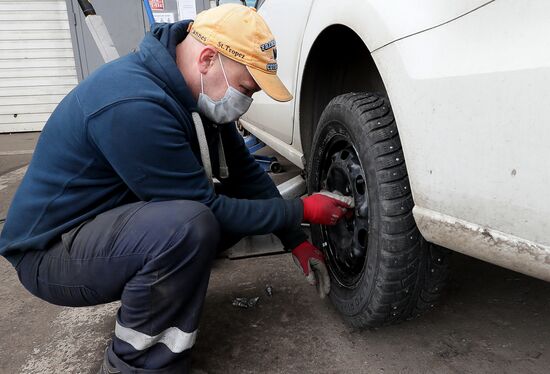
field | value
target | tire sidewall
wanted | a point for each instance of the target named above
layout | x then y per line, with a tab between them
339	120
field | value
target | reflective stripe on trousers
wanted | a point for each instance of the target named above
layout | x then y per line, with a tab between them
173	338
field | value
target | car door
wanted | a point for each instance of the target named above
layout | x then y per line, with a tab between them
287	20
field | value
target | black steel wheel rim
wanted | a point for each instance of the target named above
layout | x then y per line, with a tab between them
345	244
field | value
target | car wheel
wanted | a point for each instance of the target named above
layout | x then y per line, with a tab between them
382	270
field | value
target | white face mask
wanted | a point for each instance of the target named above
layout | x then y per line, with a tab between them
229	108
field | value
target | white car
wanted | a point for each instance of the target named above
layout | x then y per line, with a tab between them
435	116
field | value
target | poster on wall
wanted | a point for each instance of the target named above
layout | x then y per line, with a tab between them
156	4
186	9
164	17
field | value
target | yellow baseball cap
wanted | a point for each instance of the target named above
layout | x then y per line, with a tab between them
241	34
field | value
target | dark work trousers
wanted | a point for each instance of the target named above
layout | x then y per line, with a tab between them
156	258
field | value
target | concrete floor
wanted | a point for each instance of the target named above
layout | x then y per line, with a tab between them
492	321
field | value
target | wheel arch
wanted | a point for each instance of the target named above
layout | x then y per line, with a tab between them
370	25
337	62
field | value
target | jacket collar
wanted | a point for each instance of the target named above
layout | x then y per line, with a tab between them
158	53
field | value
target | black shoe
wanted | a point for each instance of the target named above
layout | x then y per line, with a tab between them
107	367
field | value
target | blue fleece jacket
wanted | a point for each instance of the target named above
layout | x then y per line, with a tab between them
126	134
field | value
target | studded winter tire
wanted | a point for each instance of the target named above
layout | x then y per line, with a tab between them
382	270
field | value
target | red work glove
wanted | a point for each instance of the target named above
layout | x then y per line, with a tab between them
312	263
326	208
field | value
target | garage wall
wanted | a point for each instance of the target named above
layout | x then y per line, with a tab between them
127	24
37	66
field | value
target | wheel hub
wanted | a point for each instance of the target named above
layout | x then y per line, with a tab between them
346	242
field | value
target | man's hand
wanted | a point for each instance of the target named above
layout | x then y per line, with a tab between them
312	263
326	208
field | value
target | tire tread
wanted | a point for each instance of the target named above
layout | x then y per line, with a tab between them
409	278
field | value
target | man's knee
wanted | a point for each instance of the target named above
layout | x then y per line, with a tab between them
185	223
203	228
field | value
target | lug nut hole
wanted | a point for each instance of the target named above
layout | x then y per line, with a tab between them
362	237
360	185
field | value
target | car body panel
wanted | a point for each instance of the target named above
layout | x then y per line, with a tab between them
470	97
471	103
265	113
378	22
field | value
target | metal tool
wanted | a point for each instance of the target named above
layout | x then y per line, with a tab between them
99	32
268	163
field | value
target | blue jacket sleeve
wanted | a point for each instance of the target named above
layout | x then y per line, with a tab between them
149	148
248	180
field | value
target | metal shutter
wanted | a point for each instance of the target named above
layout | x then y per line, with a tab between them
37	66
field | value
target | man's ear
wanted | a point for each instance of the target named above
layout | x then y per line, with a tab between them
206	59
